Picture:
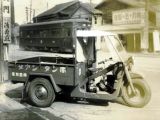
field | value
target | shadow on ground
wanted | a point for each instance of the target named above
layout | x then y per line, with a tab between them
28	114
16	94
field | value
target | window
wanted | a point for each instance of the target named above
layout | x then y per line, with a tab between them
95	20
43	33
56	33
36	33
85	49
67	32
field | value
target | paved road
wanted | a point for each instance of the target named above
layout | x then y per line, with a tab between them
12	109
149	66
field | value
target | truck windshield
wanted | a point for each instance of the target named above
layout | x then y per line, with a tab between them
115	40
105	48
107	44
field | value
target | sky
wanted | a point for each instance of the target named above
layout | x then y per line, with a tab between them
39	6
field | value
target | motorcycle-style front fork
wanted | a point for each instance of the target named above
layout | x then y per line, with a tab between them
130	80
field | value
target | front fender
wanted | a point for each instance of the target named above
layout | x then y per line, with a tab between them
136	76
133	76
49	76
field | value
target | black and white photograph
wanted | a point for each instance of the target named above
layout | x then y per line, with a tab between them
79	59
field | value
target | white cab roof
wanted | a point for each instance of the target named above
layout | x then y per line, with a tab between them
92	33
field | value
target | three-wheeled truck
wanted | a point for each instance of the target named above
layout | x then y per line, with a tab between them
82	63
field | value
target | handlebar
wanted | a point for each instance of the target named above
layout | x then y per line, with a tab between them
103	62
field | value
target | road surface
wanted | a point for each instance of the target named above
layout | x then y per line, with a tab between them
149	66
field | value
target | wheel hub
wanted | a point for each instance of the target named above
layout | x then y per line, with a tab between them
41	92
137	96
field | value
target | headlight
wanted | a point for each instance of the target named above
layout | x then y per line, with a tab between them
131	60
130	63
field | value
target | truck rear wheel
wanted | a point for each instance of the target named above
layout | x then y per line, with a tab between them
41	92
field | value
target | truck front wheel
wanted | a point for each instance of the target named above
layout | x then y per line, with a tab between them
142	96
41	92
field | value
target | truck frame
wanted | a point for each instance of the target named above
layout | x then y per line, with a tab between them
46	77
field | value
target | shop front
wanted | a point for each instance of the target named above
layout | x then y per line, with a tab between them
129	24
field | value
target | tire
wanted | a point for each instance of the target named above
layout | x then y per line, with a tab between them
41	92
143	93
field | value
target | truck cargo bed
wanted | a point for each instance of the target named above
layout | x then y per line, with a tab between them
62	69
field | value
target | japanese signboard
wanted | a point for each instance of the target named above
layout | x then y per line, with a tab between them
6	25
129	16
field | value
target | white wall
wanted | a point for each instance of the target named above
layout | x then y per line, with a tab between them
156	40
81	13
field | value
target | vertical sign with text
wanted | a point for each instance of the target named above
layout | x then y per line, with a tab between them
6	25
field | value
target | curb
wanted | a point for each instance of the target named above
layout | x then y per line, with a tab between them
7	103
156	55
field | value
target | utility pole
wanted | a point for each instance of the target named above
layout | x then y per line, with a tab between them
34	12
90	1
12	21
1	44
12	13
30	11
47	5
27	14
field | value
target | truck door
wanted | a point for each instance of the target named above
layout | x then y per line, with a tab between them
85	51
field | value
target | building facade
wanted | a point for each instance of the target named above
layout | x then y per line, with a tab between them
129	22
71	10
